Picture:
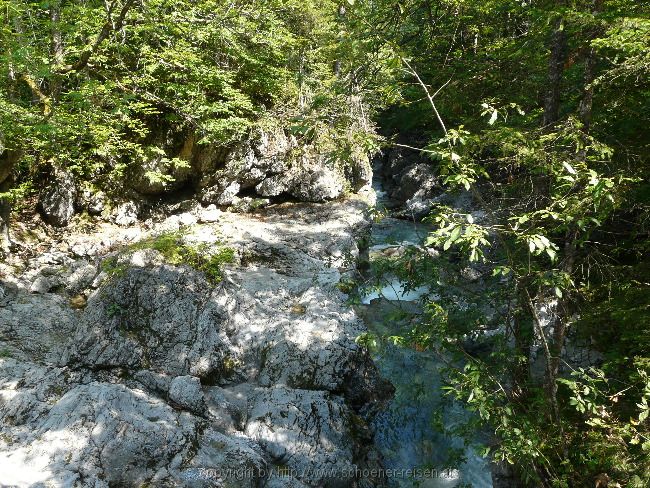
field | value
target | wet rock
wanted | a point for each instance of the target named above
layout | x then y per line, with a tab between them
418	206
420	179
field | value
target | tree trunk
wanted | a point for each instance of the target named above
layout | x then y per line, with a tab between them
555	73
341	18
561	321
56	46
587	101
523	331
8	159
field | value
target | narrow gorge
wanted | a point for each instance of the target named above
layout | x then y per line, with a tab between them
324	244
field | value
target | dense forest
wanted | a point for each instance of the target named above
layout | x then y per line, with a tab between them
537	109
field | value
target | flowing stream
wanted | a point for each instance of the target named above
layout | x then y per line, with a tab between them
405	432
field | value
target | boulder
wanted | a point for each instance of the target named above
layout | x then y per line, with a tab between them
159	318
273	186
310	432
209	214
42	284
126	214
419	179
314	183
58	200
228	194
360	172
186	392
105	432
167	163
81	277
92	200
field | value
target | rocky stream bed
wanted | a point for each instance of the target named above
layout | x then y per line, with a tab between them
143	373
129	359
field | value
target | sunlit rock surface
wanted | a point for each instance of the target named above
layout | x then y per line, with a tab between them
150	374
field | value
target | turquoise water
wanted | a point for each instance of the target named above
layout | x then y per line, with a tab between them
404	431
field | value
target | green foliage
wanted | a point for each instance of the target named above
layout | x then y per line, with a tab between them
202	257
129	82
175	250
110	88
563	219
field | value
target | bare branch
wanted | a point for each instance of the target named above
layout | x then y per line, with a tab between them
428	94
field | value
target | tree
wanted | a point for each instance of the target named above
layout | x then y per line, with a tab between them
533	130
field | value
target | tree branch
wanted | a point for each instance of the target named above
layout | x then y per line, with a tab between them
108	27
43	98
428	94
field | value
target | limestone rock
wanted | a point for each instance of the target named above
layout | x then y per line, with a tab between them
273	186
418	178
42	284
209	214
317	184
126	214
165	379
58	200
158	318
308	431
228	194
81	277
38	325
91	200
186	392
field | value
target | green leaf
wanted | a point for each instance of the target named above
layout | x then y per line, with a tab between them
455	234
